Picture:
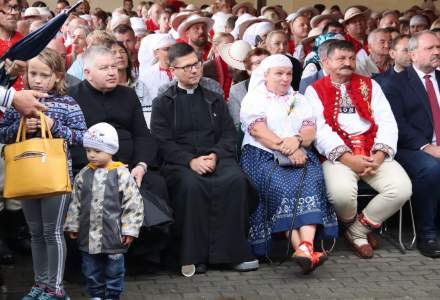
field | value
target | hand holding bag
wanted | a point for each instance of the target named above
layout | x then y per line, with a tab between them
282	160
36	167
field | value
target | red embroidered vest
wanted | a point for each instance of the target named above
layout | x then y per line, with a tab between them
359	90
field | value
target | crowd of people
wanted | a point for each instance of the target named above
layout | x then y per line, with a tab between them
246	123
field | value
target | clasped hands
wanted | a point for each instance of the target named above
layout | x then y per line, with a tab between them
204	164
290	147
363	165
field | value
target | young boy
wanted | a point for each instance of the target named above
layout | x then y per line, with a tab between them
105	214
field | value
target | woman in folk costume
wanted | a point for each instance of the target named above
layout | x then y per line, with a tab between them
276	119
154	69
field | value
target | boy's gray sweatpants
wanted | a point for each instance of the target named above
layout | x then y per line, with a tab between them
45	218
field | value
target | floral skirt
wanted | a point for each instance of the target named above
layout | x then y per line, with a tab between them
278	187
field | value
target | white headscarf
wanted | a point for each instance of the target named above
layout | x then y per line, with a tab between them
220	18
276	60
259	28
240	20
150	43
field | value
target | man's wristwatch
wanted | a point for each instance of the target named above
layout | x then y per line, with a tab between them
143	165
300	140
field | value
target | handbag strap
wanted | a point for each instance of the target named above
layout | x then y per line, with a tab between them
21	130
21	134
44	127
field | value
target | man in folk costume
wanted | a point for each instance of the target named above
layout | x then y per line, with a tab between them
355	21
194	31
154	71
357	133
210	194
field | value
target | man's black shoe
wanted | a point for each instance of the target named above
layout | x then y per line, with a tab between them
201	269
429	248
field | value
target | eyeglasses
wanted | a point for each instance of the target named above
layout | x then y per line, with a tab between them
189	68
10	10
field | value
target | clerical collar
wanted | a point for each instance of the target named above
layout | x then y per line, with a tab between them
186	90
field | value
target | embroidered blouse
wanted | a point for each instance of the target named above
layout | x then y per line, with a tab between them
284	115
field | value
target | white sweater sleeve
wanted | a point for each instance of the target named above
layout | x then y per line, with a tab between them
6	97
328	142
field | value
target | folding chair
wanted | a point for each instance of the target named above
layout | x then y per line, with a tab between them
365	191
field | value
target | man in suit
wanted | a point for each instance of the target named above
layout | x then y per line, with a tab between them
414	95
399	54
322	53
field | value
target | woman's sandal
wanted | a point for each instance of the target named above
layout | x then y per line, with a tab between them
307	262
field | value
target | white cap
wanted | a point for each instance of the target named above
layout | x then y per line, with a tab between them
103	137
138	26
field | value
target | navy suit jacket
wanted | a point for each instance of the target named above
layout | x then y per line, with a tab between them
410	104
385	78
305	82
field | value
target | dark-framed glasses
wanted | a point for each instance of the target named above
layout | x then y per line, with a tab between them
10	10
189	68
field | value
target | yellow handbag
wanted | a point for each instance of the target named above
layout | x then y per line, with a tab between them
36	167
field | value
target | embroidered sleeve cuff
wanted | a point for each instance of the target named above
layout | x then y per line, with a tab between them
337	152
251	126
308	123
384	148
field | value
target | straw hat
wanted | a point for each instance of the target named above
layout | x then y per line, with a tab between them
354	12
31	12
246	24
179	18
315	32
190	8
194	19
308	9
44	11
235	53
319	18
248	5
280	12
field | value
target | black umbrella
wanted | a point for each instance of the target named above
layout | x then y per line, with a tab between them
32	44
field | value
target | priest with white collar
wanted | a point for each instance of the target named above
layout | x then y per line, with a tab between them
210	194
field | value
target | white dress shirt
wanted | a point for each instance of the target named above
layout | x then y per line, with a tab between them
437	93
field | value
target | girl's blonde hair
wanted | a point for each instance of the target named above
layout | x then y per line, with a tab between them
53	60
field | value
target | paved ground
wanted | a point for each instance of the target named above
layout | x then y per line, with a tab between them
389	275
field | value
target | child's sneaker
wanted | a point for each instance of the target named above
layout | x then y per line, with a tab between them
50	295
34	293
